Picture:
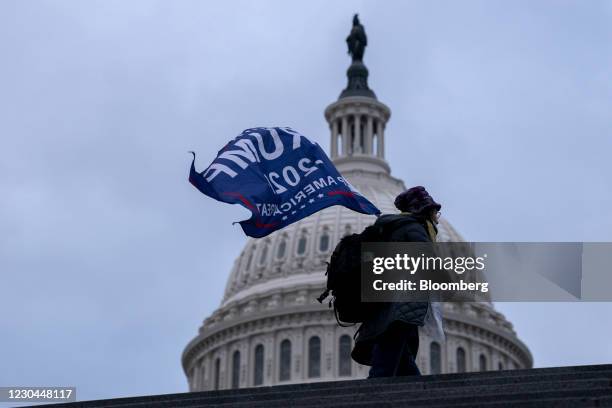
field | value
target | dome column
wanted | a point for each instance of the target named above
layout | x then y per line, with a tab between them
368	137
345	137
380	148
357	135
334	141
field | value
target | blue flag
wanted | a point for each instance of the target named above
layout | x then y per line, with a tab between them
280	176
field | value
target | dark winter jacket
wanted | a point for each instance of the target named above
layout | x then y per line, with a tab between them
406	228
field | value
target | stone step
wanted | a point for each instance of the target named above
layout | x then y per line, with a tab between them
531	402
429	397
567	398
411	390
492	387
333	389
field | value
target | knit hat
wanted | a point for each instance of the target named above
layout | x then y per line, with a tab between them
416	200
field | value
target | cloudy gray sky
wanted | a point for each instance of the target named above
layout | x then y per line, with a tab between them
110	260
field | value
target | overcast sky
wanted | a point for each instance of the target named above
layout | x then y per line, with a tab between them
110	259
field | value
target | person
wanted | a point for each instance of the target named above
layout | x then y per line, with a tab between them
388	340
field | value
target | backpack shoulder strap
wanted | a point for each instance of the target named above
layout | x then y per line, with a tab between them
392	225
388	227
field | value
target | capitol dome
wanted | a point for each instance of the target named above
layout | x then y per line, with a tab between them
269	328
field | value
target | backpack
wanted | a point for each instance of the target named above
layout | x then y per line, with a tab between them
344	276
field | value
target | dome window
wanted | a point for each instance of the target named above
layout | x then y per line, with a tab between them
249	260
482	363
217	372
285	361
435	358
259	365
344	356
264	255
280	251
301	247
324	242
236	369
460	360
314	357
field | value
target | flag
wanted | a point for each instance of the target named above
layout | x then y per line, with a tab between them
280	176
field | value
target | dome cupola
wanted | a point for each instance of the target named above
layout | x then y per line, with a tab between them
357	120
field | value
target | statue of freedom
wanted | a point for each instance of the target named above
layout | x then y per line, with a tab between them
357	40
